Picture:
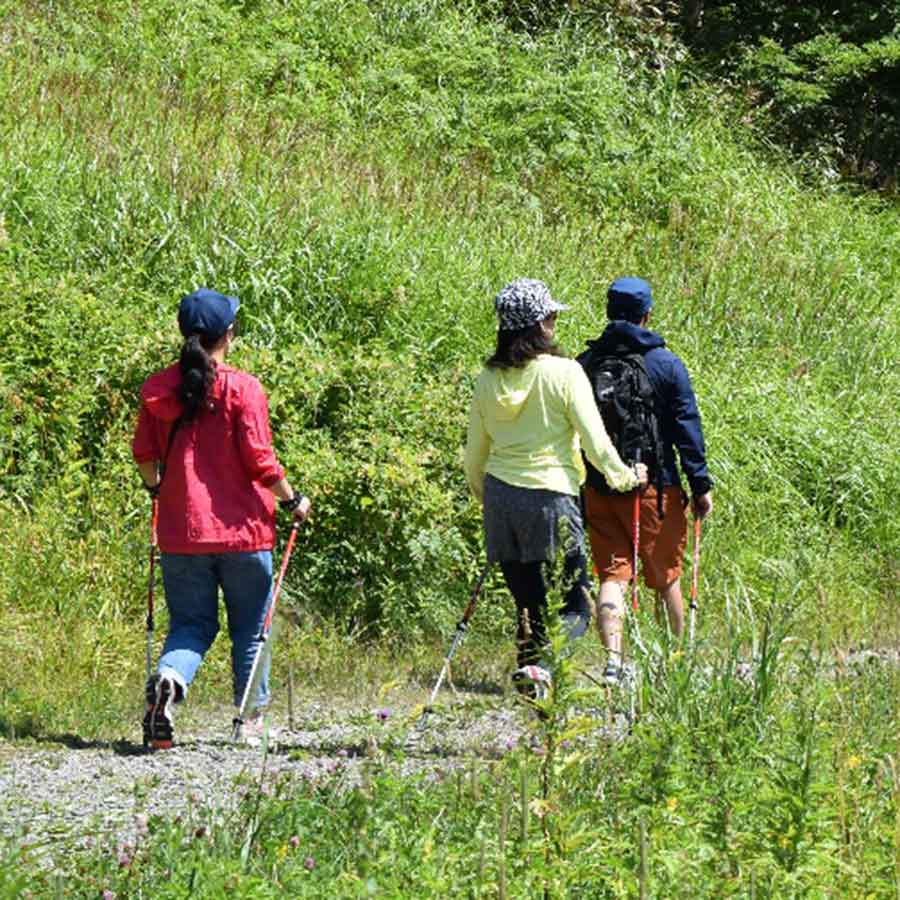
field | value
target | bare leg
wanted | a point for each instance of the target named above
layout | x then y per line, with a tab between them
670	597
610	615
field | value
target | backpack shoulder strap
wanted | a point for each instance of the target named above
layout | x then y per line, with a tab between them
649	397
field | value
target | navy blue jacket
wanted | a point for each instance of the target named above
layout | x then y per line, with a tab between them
676	404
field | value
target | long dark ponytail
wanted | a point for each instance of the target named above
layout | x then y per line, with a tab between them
198	373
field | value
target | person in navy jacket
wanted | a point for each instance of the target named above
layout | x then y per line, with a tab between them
609	515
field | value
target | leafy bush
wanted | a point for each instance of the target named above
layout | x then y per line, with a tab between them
833	98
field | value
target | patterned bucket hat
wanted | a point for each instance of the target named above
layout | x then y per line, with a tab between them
525	302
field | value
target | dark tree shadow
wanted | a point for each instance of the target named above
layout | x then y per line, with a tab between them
120	747
480	686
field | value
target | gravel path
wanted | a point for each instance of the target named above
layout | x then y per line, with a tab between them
71	794
65	793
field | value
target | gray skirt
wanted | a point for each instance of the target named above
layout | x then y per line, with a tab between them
529	524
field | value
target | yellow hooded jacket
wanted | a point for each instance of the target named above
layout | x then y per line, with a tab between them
525	425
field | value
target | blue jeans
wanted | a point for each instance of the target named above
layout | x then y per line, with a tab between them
192	584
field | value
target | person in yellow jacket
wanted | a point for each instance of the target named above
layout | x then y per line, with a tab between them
532	414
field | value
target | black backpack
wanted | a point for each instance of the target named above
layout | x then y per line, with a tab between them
627	402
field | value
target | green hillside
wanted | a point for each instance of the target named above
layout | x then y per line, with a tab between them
365	176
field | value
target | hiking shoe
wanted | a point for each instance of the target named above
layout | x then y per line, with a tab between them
158	718
613	675
532	682
251	730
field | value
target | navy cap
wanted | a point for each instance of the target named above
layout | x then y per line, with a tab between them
628	298
206	312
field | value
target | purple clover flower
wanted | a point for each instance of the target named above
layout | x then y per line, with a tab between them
123	856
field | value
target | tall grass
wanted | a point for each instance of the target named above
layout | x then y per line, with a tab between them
365	176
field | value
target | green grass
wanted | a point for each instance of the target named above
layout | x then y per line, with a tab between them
365	176
365	184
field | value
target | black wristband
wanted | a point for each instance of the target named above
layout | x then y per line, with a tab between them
701	486
151	489
292	504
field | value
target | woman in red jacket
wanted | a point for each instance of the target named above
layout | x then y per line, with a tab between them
204	447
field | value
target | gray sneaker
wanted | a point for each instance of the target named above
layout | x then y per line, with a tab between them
533	682
613	675
254	728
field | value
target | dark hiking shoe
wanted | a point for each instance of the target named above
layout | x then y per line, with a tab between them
158	718
532	682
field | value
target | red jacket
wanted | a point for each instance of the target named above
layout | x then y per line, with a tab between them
213	497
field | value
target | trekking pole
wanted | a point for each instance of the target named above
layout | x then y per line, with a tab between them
151	585
635	539
695	577
461	628
264	632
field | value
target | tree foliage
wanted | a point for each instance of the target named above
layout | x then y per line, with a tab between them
826	72
821	77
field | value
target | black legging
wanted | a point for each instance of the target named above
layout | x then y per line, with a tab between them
527	582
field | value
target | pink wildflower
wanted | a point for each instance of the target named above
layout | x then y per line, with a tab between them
123	856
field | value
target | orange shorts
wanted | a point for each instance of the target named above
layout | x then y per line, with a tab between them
608	518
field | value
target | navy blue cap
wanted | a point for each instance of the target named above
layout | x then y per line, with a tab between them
206	312
628	298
